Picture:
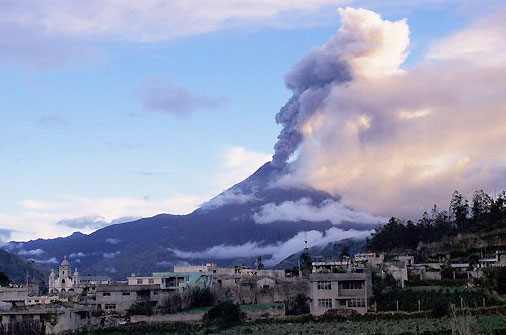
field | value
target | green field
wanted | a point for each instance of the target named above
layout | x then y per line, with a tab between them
486	324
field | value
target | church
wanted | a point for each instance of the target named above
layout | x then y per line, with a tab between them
66	281
71	282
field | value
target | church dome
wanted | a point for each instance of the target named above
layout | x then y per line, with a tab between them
65	262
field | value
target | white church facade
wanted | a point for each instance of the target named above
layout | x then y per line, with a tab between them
66	281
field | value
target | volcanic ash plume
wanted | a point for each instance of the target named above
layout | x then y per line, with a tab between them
394	141
362	48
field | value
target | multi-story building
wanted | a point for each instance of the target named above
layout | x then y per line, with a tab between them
173	281
340	291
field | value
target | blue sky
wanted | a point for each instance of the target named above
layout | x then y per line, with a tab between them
78	141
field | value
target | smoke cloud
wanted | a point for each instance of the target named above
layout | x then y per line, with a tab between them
362	48
393	141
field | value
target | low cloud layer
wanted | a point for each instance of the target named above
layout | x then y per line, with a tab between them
304	210
394	141
274	253
34	252
51	260
113	240
92	222
111	254
229	197
162	96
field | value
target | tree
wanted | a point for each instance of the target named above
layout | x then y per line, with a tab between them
482	203
224	313
4	280
298	305
459	208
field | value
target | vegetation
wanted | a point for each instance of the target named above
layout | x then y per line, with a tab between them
435	300
142	308
299	305
24	328
495	278
16	268
4	280
224	313
484	214
200	297
483	322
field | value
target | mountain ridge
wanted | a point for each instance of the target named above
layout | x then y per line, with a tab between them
148	244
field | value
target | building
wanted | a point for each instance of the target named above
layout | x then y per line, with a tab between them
340	291
398	270
72	282
331	266
173	281
114	298
371	259
499	260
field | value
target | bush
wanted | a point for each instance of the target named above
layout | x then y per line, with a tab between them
298	305
172	304
141	308
224	313
440	309
200	297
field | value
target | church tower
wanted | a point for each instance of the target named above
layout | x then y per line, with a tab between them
52	279
64	268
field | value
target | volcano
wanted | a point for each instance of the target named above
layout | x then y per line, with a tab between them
251	215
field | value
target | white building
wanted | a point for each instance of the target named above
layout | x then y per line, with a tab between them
70	282
65	281
340	291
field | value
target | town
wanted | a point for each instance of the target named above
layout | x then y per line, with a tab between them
74	301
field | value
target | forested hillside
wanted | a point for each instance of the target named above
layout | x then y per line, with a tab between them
482	220
17	268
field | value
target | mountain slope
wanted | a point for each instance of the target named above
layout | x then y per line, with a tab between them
156	243
17	268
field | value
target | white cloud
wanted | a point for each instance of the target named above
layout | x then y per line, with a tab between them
34	252
303	209
153	20
111	254
229	197
52	260
238	164
482	43
278	251
112	240
78	254
73	213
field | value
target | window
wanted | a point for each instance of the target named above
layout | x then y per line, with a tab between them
324	285
139	281
351	285
325	303
151	281
110	306
125	293
356	303
341	302
106	294
155	292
